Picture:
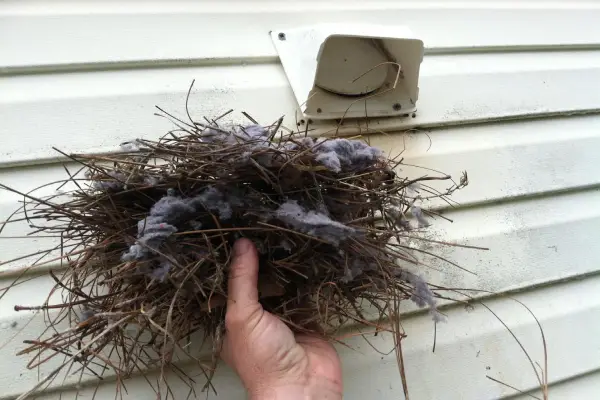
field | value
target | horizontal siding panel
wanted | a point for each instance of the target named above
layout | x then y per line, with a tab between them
100	32
471	345
503	161
93	111
584	387
530	244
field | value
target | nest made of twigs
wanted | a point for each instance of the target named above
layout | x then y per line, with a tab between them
147	234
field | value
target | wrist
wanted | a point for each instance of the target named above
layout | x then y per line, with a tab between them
321	391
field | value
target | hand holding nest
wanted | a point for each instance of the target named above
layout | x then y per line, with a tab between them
271	361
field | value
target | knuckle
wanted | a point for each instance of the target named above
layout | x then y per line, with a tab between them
232	319
237	273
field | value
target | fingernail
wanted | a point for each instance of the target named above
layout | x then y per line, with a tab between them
241	247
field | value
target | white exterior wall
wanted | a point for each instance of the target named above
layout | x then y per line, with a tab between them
509	91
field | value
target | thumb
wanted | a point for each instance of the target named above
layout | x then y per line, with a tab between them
242	299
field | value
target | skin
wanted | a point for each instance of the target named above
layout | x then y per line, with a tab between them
271	361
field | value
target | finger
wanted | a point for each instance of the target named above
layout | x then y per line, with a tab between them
243	279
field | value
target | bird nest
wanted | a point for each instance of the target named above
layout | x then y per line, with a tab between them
147	235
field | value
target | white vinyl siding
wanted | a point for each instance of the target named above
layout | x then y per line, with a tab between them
509	92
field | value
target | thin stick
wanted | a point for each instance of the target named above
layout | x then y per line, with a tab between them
512	387
52	374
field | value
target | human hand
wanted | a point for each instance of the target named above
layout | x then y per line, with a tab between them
271	361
